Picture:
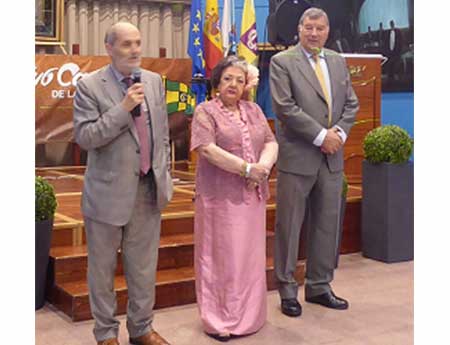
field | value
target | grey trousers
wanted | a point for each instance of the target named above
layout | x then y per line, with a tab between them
321	195
138	241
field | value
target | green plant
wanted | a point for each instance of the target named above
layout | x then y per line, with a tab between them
344	186
390	144
45	200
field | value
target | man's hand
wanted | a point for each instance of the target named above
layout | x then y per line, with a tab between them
134	96
332	142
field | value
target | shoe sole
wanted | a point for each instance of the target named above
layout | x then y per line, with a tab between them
217	337
291	314
345	307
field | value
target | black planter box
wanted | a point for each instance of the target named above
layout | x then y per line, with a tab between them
43	234
387	231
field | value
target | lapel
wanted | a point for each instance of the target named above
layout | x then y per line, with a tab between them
304	66
331	64
114	91
149	100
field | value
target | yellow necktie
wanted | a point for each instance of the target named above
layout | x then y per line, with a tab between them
321	78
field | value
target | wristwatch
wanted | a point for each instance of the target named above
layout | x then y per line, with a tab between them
246	167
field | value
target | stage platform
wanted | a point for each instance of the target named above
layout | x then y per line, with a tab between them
67	285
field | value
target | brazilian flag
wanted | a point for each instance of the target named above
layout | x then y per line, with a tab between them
179	97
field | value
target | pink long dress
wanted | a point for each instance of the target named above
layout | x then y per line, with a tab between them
230	222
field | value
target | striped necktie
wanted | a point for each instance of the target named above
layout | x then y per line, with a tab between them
142	131
321	78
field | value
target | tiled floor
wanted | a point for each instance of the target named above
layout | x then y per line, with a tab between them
381	313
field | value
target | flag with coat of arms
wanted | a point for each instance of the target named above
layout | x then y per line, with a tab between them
248	40
229	28
179	97
212	36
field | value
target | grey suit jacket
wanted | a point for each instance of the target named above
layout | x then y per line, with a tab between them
300	106
108	133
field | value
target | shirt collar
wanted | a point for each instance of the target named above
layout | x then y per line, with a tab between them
310	55
119	76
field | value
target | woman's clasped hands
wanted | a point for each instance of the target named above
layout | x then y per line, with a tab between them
258	173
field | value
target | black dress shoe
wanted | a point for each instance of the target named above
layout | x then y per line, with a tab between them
329	300
291	307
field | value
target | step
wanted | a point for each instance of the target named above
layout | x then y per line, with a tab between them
173	287
65	236
179	223
69	263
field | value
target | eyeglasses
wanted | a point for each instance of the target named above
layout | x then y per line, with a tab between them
227	78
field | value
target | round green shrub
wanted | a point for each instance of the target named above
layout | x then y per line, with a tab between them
45	200
389	144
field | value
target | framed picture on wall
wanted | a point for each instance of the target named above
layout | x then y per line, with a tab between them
49	16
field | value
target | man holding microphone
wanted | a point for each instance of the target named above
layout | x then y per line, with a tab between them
120	118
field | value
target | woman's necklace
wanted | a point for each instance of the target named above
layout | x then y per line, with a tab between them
235	112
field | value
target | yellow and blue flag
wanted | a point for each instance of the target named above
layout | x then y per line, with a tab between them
196	52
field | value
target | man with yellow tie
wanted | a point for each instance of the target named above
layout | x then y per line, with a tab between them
316	106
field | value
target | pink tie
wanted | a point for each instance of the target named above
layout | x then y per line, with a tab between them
142	130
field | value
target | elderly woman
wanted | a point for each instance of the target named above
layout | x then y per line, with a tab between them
236	151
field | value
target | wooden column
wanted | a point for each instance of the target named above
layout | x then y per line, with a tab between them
84	28
154	30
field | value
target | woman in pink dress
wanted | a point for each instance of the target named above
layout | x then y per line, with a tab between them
236	151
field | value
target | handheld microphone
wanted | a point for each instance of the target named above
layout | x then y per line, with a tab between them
136	77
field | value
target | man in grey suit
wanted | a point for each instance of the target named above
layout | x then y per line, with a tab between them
127	183
315	106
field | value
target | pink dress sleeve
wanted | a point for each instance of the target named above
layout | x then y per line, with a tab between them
202	129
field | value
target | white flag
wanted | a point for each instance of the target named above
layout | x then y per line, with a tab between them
226	26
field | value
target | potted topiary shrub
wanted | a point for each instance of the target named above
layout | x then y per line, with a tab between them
45	206
387	229
341	216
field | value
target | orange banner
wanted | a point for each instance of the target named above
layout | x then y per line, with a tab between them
55	80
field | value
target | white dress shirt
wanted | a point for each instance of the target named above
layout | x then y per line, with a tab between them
392	39
318	141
